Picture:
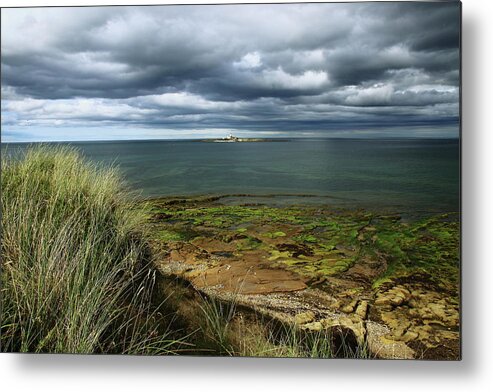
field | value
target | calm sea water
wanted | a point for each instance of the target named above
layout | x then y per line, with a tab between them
420	175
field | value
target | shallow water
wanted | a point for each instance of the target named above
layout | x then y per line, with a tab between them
402	174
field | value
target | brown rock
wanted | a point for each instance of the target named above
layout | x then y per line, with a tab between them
349	308
304	317
384	348
362	309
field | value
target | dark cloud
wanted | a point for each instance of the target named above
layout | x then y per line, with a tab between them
289	67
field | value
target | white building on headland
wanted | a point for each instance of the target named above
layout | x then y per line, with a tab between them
231	138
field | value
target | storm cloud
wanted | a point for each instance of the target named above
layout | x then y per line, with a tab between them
336	69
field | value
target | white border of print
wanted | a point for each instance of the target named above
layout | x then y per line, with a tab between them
93	373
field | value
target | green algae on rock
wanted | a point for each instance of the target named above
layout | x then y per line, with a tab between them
393	283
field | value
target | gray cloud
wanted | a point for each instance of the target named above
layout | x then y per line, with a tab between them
291	67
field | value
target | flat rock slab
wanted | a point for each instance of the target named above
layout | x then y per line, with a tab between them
238	277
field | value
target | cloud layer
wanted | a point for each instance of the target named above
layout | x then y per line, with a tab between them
172	71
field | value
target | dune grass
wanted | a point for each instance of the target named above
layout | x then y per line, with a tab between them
72	260
227	332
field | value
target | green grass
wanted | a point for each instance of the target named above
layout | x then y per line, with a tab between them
216	317
73	276
224	330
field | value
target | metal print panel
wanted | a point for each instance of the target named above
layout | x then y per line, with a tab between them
273	180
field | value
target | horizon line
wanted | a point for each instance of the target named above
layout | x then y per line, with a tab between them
458	137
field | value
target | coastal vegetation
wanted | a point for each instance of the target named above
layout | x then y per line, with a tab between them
74	276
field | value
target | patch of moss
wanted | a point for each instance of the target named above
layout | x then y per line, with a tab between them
248	243
308	238
275	255
169	235
276	234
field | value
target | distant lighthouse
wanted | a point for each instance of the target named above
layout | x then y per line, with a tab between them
231	138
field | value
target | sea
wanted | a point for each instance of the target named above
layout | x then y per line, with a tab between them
419	175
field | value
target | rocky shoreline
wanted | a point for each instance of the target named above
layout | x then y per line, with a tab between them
388	285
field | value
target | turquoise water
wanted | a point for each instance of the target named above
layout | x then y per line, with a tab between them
409	174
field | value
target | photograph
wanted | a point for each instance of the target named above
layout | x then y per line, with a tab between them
232	180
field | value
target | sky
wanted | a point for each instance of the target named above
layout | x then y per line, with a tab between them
178	72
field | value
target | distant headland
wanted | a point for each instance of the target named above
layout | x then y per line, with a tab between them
234	139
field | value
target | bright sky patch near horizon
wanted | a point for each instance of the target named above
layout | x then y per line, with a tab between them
179	72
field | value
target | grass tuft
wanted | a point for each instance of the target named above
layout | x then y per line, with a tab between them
72	260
